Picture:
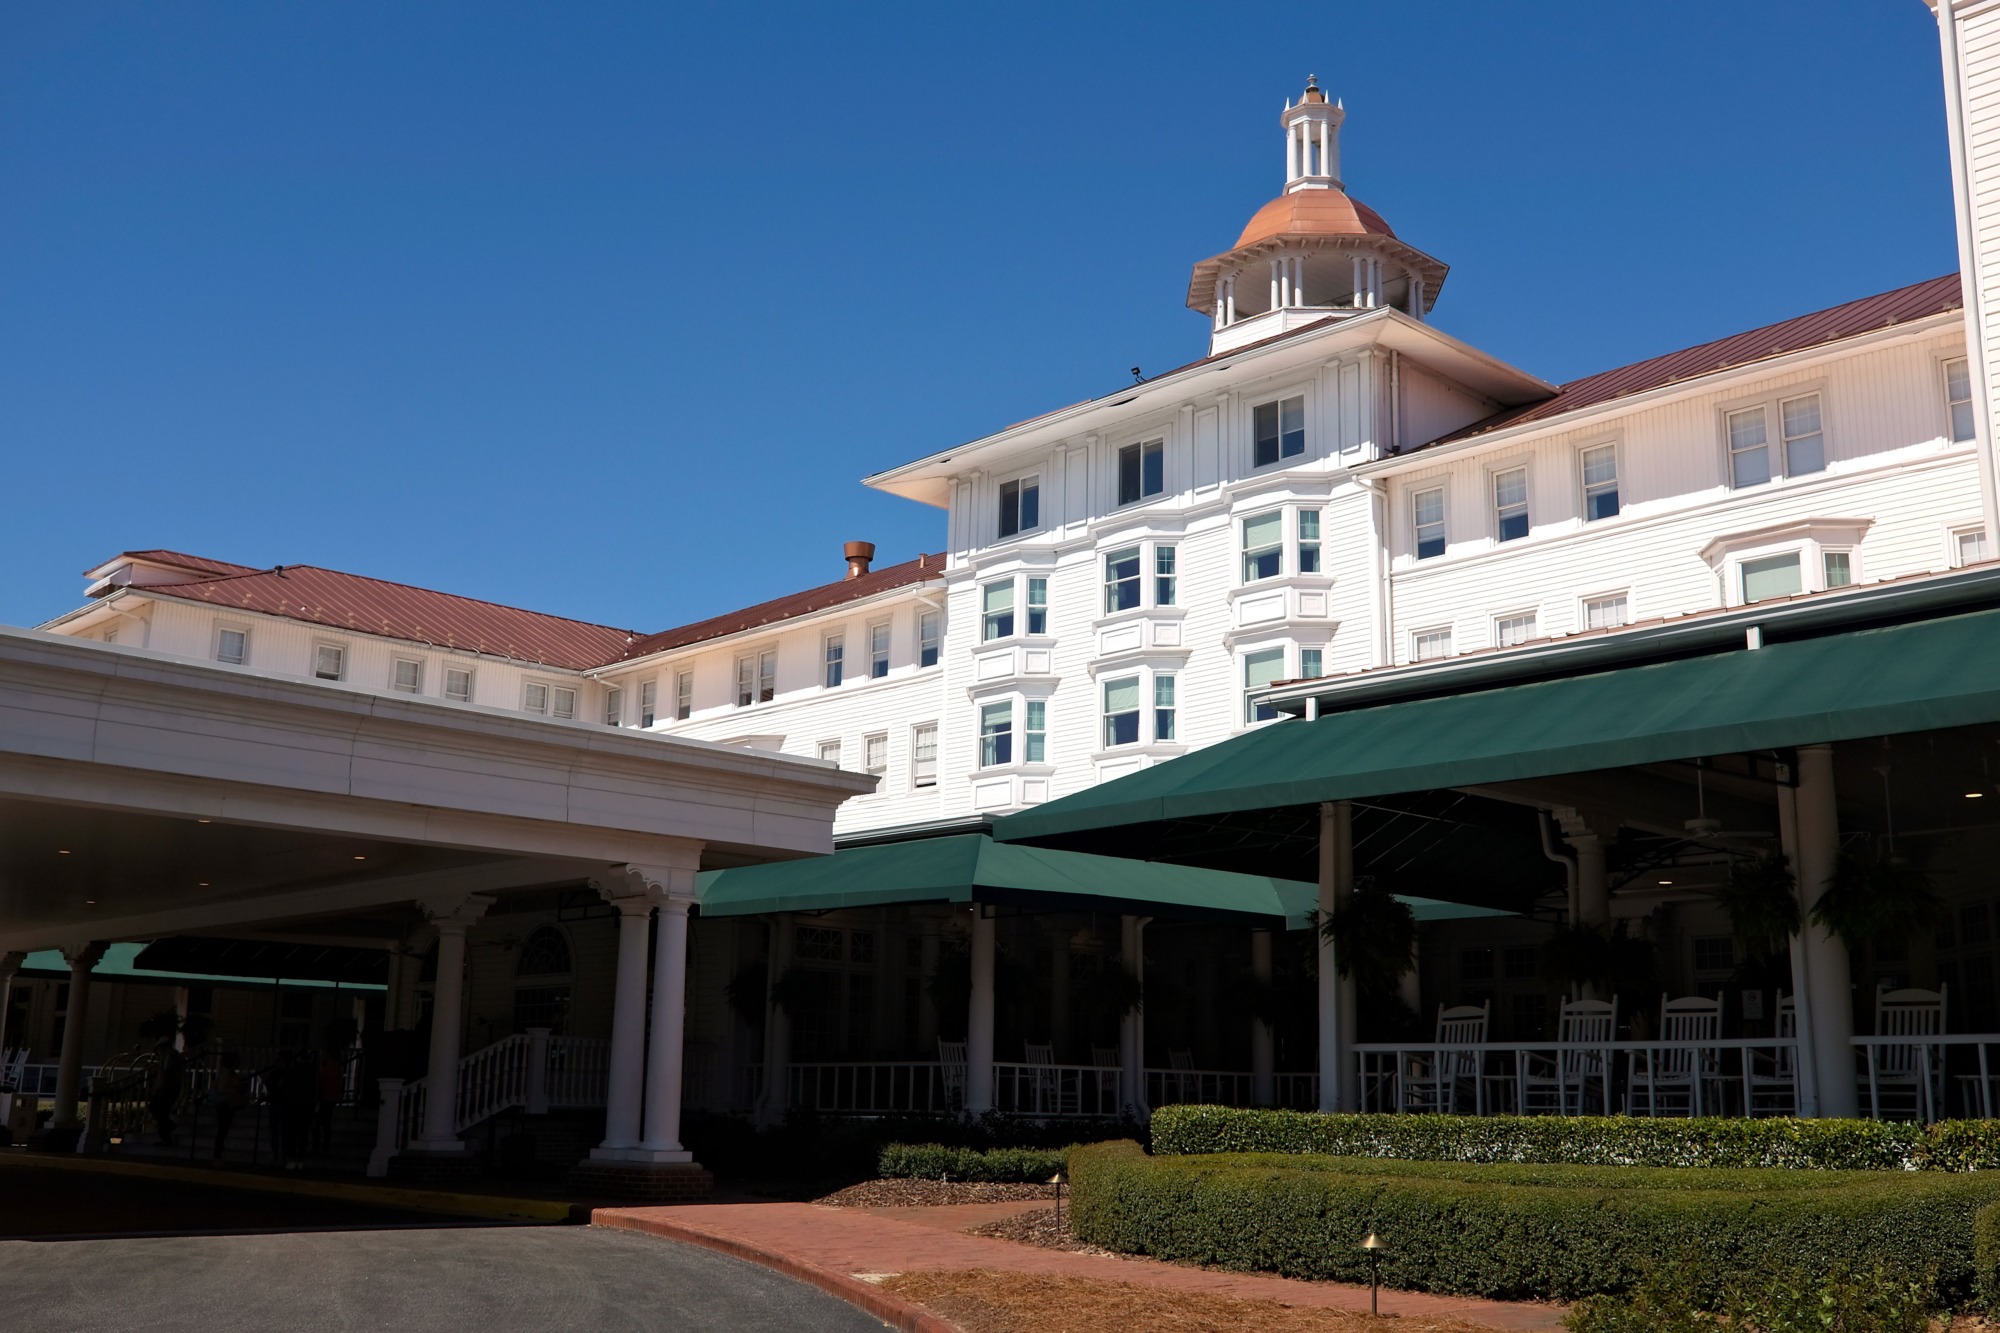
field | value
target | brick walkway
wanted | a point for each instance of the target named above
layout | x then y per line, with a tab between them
851	1241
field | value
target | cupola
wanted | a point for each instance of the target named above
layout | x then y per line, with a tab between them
1314	252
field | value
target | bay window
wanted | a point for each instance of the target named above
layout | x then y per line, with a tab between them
1260	670
996	734
1263	546
997	609
1164	708
1121	580
1121	711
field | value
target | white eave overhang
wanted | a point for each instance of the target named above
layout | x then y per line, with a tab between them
928	480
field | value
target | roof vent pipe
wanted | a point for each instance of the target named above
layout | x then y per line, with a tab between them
858	555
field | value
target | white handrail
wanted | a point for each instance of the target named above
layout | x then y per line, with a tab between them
496	1078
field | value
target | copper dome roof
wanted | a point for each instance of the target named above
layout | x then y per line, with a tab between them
1313	213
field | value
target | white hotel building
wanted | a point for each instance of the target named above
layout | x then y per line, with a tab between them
1338	489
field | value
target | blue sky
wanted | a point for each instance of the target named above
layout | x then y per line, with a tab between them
603	309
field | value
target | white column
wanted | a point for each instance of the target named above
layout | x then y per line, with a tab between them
979	1017
1218	307
1337	1075
537	1095
1229	306
626	1082
10	967
1802	1011
440	1128
1274	285
667	1045
1132	1023
1416	297
1284	280
1832	1032
69	1064
1325	156
1263	1084
1360	280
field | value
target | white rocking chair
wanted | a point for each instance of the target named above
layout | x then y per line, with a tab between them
1916	1070
1582	1060
1432	1080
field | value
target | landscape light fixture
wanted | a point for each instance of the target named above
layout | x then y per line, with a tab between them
1375	1248
1059	1179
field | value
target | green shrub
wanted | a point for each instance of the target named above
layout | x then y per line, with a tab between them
1843	1145
1523	1230
1986	1256
936	1161
1870	1300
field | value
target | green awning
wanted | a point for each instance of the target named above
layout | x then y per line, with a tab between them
971	867
120	963
1922	676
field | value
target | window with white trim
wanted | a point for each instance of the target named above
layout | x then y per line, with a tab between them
1121	711
1510	631
1165	575
1038	606
1020	505
829	751
1121	580
232	646
562	702
1429	644
875	753
997	611
756	678
1260	671
1958	399
534	697
1165	709
996	734
614	707
930	636
1771	576
1310	660
458	685
407	676
1805	440
1838	568
1309	541
923	754
329	661
1801	438
649	700
1749	448
1600	482
1263	546
836	659
1142	471
1278	430
1968	546
1606	612
683	696
1427	512
878	651
1035	732
1510	504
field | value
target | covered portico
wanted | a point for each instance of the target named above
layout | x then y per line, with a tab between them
144	796
1638	768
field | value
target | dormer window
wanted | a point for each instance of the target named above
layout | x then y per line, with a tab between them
408	677
1279	430
1020	505
1141	471
232	646
329	661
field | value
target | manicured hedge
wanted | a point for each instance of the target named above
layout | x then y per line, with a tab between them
935	1161
1528	1230
1856	1145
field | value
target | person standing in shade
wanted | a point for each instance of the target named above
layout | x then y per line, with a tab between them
226	1097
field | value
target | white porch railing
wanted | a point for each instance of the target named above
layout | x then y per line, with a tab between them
1208	1087
889	1087
531	1071
1055	1090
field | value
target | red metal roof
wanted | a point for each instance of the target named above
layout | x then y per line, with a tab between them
1918	301
419	615
197	564
825	596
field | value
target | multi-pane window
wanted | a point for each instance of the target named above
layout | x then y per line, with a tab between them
1427	644
1605	612
329	661
1164	708
1260	670
232	646
836	659
1510	504
1141	471
614	708
1278	430
1164	576
830	751
1427	509
930	635
683	696
1310	663
1838	566
1600	482
875	753
923	755
407	676
1038	606
649	700
1805	442
1749	449
1121	711
1511	630
1035	732
1309	541
1263	546
458	685
534	697
878	651
1121	580
996	734
756	678
1772	576
562	702
1969	545
1020	506
997	609
1958	399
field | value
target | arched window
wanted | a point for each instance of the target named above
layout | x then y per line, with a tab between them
541	981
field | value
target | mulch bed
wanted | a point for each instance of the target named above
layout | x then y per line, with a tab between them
979	1301
1037	1226
930	1193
